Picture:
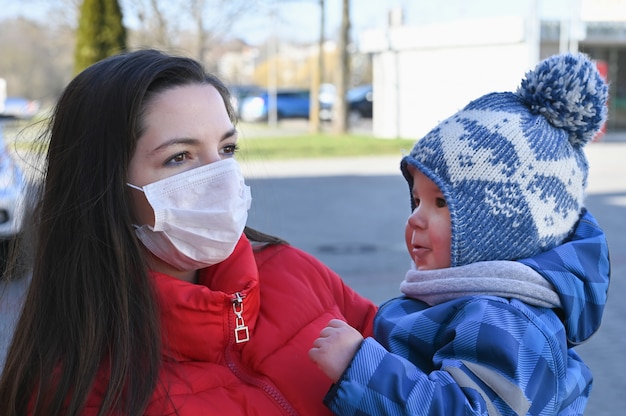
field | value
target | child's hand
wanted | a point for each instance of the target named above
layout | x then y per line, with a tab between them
335	347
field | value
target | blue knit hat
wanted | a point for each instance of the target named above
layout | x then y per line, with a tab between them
511	165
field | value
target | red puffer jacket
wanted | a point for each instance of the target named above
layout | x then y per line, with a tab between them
280	298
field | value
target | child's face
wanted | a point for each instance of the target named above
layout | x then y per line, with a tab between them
428	229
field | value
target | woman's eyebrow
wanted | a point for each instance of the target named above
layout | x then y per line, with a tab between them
190	141
173	142
230	133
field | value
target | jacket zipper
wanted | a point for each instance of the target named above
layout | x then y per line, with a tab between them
240	334
241	329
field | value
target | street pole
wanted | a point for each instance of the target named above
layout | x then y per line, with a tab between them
272	115
317	77
340	112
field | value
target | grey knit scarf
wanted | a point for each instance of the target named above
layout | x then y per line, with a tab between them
507	279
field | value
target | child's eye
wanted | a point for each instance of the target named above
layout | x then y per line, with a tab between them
416	201
441	203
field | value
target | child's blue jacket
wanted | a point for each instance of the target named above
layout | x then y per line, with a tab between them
485	355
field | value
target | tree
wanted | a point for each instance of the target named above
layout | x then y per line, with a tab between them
100	32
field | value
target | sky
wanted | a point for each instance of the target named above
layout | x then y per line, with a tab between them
299	19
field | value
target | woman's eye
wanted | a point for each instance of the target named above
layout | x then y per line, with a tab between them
230	149
178	158
416	201
441	203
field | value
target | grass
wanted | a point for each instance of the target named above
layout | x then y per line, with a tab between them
320	146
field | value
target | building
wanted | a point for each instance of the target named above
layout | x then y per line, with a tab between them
424	73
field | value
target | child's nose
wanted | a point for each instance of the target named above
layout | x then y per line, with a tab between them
417	219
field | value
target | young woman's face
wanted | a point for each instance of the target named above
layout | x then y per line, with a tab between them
185	127
428	229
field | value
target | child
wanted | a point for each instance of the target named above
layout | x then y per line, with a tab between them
478	333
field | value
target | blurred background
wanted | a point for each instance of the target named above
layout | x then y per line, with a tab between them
421	60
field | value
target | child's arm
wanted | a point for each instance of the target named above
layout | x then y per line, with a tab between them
467	357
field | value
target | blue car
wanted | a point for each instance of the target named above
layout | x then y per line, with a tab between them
12	188
239	93
290	103
360	101
19	108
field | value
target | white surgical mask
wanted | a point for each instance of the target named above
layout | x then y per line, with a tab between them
199	215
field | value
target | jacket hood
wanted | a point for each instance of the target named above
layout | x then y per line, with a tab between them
579	269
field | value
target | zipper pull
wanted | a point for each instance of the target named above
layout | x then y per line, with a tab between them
241	329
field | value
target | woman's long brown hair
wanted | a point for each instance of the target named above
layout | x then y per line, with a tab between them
90	308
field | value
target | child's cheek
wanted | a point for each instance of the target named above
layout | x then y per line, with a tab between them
408	234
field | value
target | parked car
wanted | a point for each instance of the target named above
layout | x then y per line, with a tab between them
19	107
238	94
290	103
327	95
12	203
360	101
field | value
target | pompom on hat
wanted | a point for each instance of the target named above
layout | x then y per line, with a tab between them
511	165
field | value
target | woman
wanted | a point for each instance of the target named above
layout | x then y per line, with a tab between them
147	297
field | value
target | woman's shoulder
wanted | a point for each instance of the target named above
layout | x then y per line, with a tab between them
290	264
268	255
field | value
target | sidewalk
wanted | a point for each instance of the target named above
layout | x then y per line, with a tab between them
607	171
613	137
361	166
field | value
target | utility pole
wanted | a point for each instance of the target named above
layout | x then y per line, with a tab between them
272	73
316	77
340	110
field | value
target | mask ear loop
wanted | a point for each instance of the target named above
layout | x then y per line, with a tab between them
139	188
135	226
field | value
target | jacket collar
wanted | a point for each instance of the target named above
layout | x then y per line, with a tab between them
196	318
